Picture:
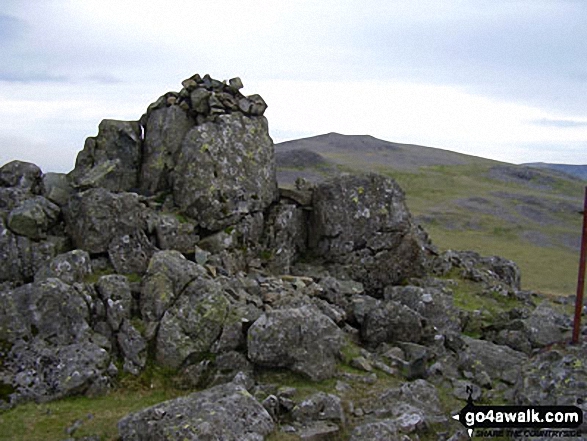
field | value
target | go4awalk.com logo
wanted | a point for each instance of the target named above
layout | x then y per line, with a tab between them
499	421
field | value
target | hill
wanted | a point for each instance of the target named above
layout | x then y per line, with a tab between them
578	171
526	214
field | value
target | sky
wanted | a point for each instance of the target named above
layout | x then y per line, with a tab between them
500	79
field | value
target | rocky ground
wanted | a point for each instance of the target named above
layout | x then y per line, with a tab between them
320	312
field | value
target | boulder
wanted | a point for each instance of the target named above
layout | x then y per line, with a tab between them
384	430
48	309
301	339
96	216
361	226
167	276
21	257
175	232
57	188
225	170
434	305
110	160
226	412
386	321
33	217
130	253
318	407
114	291
71	267
43	372
499	362
23	175
164	133
133	348
285	237
191	326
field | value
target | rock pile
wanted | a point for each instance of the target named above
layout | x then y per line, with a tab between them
170	243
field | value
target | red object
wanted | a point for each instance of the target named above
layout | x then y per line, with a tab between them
581	281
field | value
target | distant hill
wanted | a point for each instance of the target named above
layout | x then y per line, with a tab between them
527	214
579	171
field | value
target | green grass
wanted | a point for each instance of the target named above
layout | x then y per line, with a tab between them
47	422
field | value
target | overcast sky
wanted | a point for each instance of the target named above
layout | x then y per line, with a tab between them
501	79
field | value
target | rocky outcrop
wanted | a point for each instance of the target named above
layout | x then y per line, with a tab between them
360	226
110	160
169	248
300	339
225	412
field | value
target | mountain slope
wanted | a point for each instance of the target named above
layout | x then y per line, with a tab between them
465	202
578	171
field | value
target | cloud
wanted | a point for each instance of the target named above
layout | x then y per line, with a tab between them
561	123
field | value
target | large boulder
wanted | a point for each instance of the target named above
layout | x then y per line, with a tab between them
48	309
164	132
71	267
499	362
191	326
41	371
225	170
362	224
96	216
226	412
301	339
21	257
167	276
110	160
23	175
386	321
33	217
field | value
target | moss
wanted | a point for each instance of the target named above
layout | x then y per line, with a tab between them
95	276
133	277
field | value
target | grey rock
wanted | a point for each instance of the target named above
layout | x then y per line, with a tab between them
11	197
130	253
300	339
110	160
21	257
115	293
381	431
23	175
500	362
133	348
71	267
227	412
173	234
285	237
47	309
319	431
96	216
433	304
33	217
191	326
164	133
319	407
362	225
386	321
57	188
43	372
236	83
167	276
225	170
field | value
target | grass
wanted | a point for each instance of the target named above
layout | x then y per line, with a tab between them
99	415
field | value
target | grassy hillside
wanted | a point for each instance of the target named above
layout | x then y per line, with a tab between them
528	215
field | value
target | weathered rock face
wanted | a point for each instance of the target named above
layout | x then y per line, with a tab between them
225	412
110	160
300	339
33	217
225	170
23	175
70	267
96	216
165	130
363	224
